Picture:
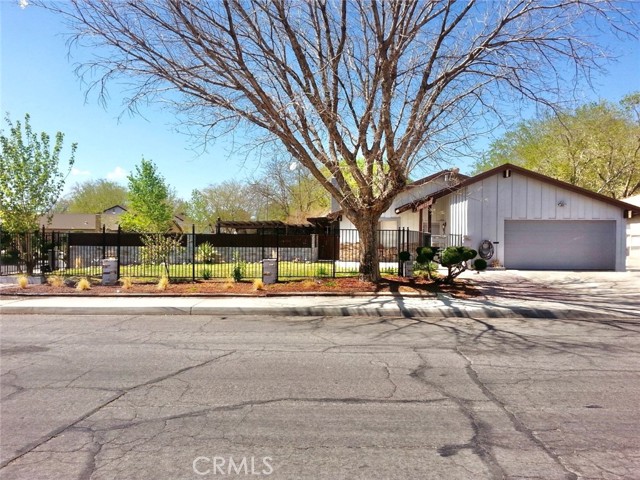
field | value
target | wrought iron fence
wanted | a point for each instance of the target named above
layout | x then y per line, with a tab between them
444	241
200	256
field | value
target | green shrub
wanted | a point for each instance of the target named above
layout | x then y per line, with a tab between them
426	268
479	264
425	261
160	249
238	267
206	274
206	253
321	271
425	255
452	256
404	256
455	260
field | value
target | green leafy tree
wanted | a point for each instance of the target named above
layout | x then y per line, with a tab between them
31	179
198	213
596	146
149	209
229	200
31	175
396	83
150	212
93	196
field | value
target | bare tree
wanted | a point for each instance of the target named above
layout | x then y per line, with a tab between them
358	91
229	200
293	193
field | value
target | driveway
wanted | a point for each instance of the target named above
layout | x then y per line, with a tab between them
610	292
166	398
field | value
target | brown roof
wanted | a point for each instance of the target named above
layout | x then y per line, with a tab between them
259	224
420	203
71	221
430	178
436	175
430	199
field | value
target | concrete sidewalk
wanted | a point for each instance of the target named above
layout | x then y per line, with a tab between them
375	305
505	294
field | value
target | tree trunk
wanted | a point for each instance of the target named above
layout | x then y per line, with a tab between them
367	225
26	246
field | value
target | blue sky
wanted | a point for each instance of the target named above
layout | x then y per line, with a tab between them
37	77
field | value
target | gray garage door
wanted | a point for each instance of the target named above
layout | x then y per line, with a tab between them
560	245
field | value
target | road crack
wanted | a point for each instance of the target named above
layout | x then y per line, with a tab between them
517	424
117	395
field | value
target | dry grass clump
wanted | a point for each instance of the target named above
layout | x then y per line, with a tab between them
228	285
56	281
309	284
126	283
163	283
258	284
83	284
23	281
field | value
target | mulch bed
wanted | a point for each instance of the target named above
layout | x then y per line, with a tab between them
337	286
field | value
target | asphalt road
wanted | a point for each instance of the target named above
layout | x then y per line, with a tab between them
173	398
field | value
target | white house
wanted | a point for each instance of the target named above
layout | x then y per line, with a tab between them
527	220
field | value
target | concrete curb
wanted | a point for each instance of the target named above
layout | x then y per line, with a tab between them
382	306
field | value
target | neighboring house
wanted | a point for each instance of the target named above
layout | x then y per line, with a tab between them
531	221
111	217
89	222
633	236
70	222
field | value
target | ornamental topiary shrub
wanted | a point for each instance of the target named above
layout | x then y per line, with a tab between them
425	261
426	254
455	259
479	264
404	256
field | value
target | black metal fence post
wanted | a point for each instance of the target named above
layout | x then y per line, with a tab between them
193	252
334	255
51	253
277	253
104	242
43	246
118	251
405	238
398	250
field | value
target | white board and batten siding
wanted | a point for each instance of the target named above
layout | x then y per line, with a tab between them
505	210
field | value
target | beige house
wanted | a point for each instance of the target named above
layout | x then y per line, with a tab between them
89	222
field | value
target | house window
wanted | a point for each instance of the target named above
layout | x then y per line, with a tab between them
388	224
437	228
